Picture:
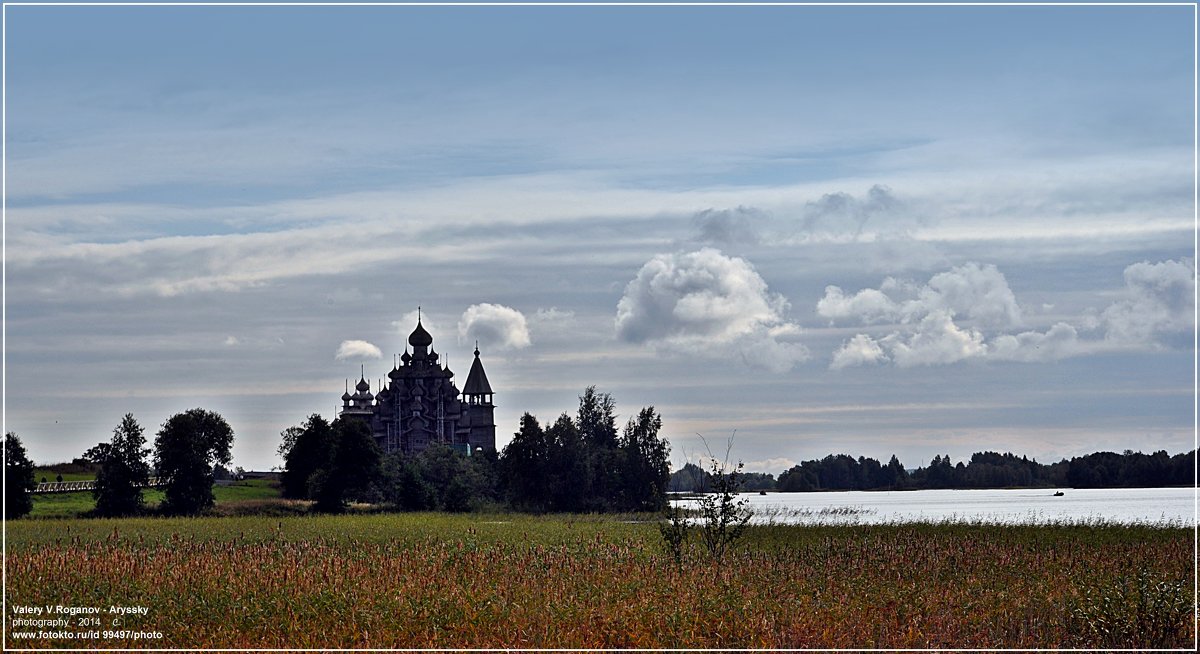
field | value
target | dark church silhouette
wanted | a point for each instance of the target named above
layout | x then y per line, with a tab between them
420	406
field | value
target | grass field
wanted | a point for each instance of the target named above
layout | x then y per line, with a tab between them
434	580
73	505
52	475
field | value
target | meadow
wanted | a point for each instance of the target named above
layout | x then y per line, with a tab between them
76	504
517	581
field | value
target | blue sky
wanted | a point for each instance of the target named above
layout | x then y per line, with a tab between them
871	230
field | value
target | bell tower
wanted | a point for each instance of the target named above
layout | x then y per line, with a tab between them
479	408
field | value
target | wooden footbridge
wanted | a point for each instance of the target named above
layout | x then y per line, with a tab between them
76	486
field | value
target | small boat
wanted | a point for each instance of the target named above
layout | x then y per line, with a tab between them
1058	494
762	492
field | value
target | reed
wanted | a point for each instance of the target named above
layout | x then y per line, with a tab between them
515	581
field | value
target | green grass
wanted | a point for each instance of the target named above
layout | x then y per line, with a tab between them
73	505
51	475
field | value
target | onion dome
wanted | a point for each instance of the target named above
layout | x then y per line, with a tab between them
362	385
346	397
406	357
419	337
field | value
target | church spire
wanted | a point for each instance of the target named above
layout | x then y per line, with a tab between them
477	390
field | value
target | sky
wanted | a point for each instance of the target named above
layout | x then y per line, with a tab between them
898	230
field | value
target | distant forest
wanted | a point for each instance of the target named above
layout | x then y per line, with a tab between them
984	470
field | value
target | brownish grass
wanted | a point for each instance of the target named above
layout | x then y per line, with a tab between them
568	582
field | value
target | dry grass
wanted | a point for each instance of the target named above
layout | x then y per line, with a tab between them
569	582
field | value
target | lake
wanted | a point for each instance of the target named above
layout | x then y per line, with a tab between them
1009	506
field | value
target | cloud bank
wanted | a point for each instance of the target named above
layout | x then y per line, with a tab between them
968	312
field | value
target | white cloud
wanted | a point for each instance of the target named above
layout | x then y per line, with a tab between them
867	306
774	465
1159	305
355	349
231	341
1159	302
858	351
980	293
706	303
929	333
936	340
1060	341
494	325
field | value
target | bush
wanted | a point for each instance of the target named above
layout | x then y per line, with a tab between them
723	516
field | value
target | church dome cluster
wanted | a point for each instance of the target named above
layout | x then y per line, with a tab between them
420	405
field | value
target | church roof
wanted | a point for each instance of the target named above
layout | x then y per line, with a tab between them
477	381
419	337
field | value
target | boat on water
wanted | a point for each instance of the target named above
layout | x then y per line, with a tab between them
1058	494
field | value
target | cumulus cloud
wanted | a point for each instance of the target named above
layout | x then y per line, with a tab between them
1061	340
866	306
926	316
977	292
231	341
728	226
936	340
858	351
704	302
494	325
980	293
355	349
1159	303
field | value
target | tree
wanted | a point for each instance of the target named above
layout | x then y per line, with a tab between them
525	467
306	449
96	454
646	468
597	418
187	447
288	440
19	481
353	468
404	486
570	473
123	470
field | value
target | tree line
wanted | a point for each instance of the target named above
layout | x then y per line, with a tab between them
984	470
579	463
188	448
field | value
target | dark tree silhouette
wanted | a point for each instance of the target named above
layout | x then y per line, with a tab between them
187	447
309	448
646	463
353	468
123	470
19	481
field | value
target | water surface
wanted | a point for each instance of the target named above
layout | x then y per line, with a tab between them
1010	506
